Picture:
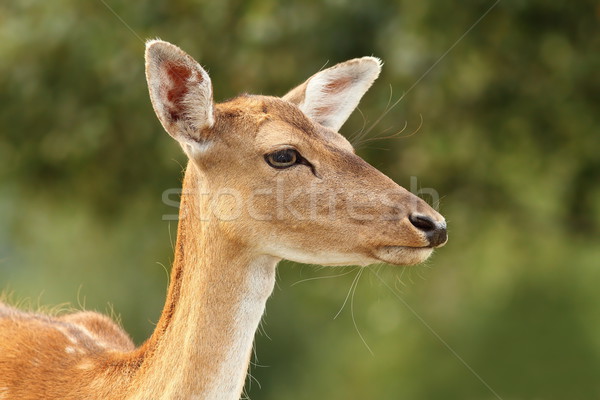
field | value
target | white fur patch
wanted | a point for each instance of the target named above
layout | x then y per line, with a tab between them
327	258
229	382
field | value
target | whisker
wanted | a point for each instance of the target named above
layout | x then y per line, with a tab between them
363	132
400	277
324	277
379	136
352	314
359	132
170	236
166	272
354	281
410	276
397	135
385	112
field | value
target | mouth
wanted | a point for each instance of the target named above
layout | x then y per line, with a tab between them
402	255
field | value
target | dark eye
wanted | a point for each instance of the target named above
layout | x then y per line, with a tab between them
282	158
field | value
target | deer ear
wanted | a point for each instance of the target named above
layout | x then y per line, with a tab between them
330	96
181	93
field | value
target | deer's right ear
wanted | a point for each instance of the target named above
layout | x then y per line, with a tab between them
181	94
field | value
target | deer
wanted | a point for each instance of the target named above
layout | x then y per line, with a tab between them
268	178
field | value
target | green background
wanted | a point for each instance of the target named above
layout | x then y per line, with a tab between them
509	139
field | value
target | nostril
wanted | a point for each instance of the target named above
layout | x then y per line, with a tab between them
422	222
436	232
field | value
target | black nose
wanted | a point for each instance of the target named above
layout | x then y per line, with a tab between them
435	231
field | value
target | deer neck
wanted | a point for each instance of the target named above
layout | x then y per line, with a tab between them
202	344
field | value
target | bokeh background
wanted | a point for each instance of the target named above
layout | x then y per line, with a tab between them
505	127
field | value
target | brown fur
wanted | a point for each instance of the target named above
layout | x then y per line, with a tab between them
224	269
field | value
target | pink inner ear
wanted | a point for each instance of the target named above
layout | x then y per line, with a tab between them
179	86
324	110
338	85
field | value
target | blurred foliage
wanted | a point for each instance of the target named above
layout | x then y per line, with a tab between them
510	138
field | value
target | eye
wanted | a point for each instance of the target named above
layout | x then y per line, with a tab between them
283	158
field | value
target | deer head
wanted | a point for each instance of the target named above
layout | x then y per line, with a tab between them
274	175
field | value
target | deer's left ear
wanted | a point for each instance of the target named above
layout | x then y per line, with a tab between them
330	96
181	94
